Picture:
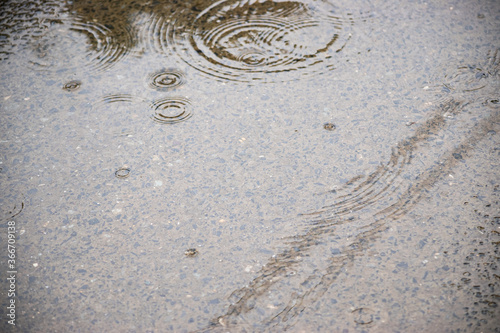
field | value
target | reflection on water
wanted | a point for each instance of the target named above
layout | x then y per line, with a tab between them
229	40
252	40
103	50
46	29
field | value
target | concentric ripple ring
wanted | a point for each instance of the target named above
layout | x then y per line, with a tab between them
171	110
262	40
166	79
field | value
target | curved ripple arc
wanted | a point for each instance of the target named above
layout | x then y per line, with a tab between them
103	47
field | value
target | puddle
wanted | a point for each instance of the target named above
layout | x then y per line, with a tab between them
251	166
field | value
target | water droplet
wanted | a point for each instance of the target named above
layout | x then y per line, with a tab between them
171	110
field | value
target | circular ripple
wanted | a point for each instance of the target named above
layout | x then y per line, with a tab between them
72	85
365	316
171	110
262	40
69	43
122	172
166	79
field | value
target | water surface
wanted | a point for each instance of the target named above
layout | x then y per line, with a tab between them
251	166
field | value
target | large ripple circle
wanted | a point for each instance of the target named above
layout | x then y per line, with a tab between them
262	40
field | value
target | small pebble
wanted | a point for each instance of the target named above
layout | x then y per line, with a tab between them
191	252
329	126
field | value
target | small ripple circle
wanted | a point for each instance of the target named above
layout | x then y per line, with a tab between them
166	79
171	110
123	172
72	85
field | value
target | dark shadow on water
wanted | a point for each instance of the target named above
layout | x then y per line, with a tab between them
244	41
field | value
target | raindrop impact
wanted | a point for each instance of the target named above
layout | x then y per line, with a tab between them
166	79
122	172
261	40
72	85
171	110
